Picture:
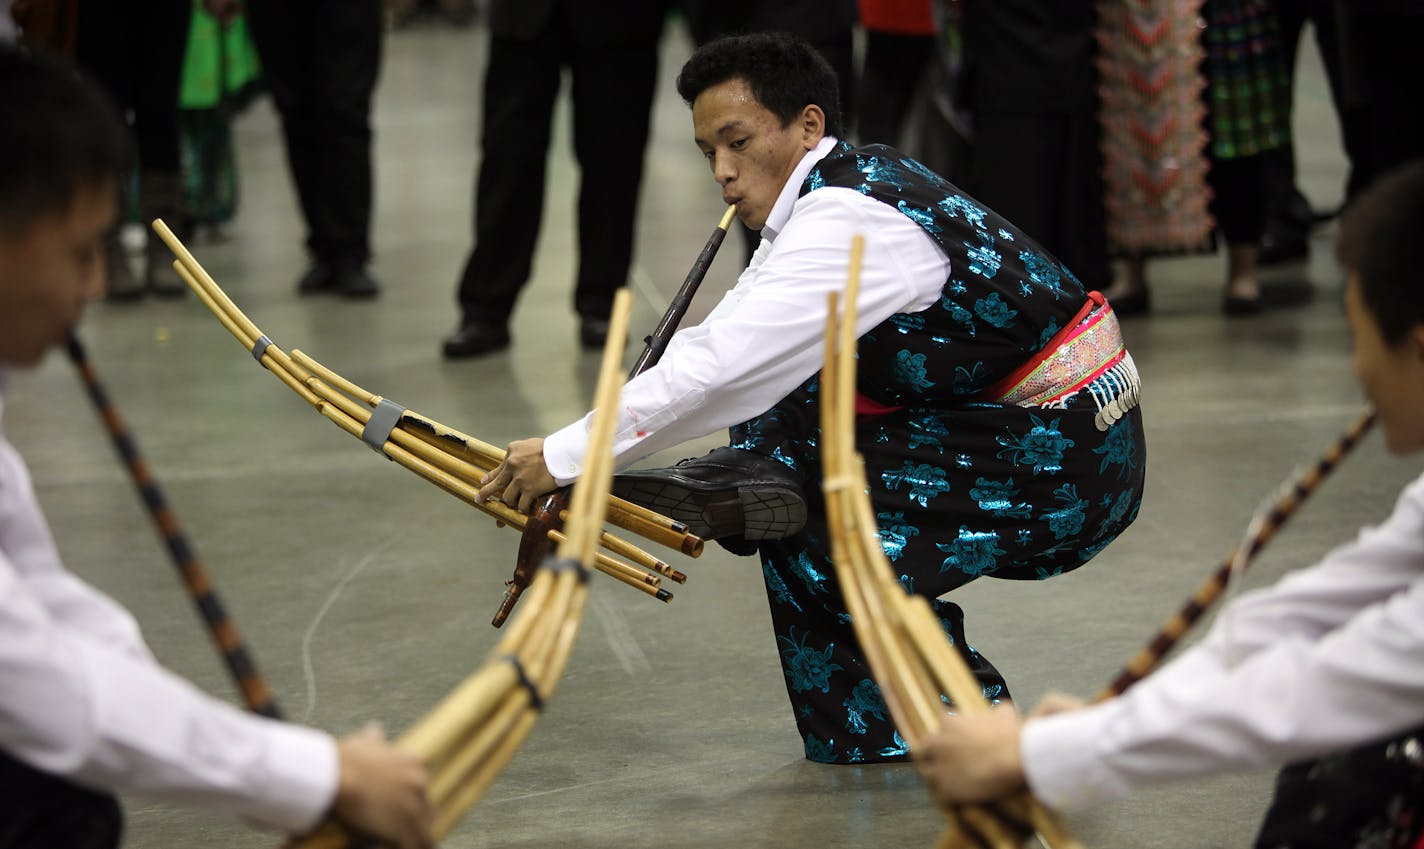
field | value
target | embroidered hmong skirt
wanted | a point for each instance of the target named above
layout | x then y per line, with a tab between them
979	489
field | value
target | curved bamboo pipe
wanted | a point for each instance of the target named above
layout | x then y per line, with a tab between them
534	544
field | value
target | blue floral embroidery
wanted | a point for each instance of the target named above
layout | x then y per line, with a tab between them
780	593
1048	331
897	749
855	755
1042	272
969	381
864	699
895	532
925	481
807	572
1005	235
997	497
819	752
958	314
957	205
806	710
910	370
907	322
1068	519
993	310
778	453
919	168
1025	537
974	553
882	435
927	430
1043	446
1125	501
877	170
808	668
1088	553
1042	574
1118	449
922	217
956	287
964	461
907	583
815	180
983	259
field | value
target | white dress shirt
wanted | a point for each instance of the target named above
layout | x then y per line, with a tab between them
82	698
1329	658
765	337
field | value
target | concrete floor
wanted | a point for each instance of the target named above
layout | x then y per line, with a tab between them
671	727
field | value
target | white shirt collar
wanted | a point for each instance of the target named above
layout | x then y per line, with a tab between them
781	210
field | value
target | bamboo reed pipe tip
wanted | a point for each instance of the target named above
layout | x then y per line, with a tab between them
727	217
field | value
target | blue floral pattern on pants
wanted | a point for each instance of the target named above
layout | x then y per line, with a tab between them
962	487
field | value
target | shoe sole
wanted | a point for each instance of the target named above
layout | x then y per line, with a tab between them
752	512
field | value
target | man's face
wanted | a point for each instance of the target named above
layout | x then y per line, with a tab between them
751	153
48	270
1392	376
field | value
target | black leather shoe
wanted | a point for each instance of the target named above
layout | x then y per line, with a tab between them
319	280
475	338
354	282
1132	304
730	492
1239	307
593	332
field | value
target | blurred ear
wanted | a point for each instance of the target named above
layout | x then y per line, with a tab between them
813	125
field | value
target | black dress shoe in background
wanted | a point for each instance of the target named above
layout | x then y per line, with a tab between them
1239	307
319	280
475	338
353	281
728	493
1131	304
593	332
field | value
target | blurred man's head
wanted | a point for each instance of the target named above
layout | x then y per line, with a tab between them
759	103
1381	247
62	149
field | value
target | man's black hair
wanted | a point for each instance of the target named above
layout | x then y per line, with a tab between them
784	72
1382	241
58	135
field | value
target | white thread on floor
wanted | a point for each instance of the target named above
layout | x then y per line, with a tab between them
308	670
620	637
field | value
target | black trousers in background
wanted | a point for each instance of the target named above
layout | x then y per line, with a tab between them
1042	171
1286	201
320	60
1239	201
134	51
889	77
39	811
612	99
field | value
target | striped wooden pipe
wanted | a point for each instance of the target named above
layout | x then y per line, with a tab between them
1150	655
250	682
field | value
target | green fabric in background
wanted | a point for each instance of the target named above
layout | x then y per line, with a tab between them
221	62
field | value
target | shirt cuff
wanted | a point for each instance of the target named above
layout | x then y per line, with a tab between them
564	451
302	772
1064	769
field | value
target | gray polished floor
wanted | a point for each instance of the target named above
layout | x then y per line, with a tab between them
671	727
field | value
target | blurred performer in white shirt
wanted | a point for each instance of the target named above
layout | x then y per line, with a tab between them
85	710
1328	664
